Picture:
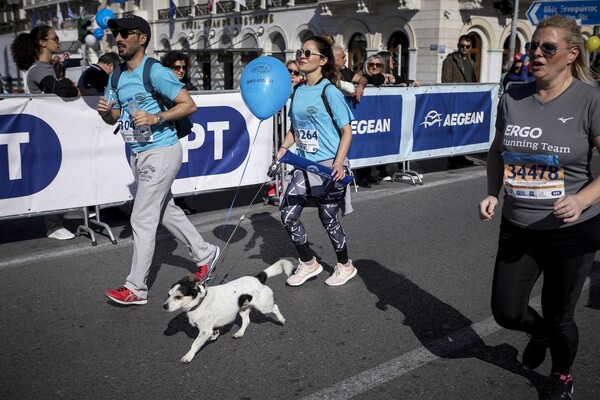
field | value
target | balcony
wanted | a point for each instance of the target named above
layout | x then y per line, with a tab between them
225	7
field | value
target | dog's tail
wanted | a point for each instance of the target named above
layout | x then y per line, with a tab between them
281	266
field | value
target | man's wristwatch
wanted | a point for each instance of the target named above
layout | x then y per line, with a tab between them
159	119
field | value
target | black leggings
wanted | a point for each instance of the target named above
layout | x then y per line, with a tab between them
522	257
296	198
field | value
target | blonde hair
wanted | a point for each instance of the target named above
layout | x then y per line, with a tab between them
370	59
573	37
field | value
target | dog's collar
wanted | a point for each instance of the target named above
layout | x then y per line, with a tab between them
197	305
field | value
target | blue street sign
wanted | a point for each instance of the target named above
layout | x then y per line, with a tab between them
585	12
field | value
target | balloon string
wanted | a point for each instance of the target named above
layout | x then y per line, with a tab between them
219	240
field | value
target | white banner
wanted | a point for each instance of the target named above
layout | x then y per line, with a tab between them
57	154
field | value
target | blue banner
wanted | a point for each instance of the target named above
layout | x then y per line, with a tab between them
376	130
32	152
223	144
447	120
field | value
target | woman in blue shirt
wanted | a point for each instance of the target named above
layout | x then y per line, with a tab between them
322	136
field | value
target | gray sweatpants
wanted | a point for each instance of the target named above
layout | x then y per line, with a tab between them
154	171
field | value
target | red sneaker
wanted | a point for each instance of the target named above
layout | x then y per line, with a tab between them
203	271
272	192
125	296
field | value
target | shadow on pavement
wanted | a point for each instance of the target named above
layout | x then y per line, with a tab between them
442	329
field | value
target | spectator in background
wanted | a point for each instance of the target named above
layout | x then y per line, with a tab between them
391	78
373	72
294	70
519	72
348	77
595	67
33	52
93	81
178	63
458	67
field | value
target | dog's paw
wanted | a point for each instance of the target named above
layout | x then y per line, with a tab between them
187	358
215	335
237	335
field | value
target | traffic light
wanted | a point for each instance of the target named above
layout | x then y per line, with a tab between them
505	6
82	29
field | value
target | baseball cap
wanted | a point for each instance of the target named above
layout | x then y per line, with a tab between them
130	22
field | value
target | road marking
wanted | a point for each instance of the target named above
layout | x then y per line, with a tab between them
376	376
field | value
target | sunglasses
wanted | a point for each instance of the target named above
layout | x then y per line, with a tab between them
306	53
548	49
464	46
124	33
179	68
54	38
294	72
374	65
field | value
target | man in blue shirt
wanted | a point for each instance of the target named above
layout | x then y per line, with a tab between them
156	157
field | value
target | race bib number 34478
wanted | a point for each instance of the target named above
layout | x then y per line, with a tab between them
533	179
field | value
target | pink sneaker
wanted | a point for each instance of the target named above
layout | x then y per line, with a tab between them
125	296
304	272
341	274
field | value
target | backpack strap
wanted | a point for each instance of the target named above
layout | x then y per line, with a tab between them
323	98
328	108
114	77
150	88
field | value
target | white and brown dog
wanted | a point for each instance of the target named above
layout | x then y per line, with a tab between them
210	308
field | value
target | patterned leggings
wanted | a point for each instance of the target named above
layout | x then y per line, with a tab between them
295	199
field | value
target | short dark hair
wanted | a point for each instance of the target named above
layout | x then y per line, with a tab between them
110	58
466	38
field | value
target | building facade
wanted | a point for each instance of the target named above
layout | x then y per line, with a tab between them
220	40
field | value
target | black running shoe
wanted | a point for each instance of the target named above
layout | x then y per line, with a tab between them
560	387
535	352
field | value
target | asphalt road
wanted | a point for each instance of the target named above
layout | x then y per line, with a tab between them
414	324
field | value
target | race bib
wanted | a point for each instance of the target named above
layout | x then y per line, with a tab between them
307	136
131	133
533	176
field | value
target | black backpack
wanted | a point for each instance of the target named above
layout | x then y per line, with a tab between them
182	126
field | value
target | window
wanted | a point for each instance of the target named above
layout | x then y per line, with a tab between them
357	52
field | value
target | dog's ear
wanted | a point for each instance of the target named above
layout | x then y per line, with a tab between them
186	278
201	289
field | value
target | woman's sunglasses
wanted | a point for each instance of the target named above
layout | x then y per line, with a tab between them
178	68
549	49
294	72
124	33
306	53
374	65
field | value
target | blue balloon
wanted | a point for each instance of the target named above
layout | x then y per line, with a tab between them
98	33
103	16
265	86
